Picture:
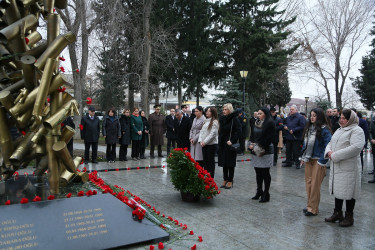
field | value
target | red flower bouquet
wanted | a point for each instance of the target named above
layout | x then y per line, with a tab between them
188	176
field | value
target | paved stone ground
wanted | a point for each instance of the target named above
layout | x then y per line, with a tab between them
233	221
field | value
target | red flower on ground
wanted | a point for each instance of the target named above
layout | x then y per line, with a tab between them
152	247
24	201
51	197
69	195
200	238
37	198
191	232
194	247
7	202
89	193
161	245
94	192
81	193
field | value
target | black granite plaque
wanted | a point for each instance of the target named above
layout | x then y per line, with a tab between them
95	222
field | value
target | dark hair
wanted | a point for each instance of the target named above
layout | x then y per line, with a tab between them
347	113
199	108
140	112
354	109
359	114
267	112
321	119
213	116
183	106
113	110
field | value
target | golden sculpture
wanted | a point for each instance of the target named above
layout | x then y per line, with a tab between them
28	76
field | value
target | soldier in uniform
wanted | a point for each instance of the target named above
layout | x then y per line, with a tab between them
156	130
243	120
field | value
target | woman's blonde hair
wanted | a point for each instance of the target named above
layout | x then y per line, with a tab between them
228	106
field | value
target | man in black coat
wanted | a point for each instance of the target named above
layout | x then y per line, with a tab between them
372	143
182	126
243	120
335	119
69	122
90	131
278	127
171	135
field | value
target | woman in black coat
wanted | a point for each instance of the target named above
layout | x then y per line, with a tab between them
144	140
111	132
263	136
229	131
125	139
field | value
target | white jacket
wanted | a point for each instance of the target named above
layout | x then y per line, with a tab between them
345	174
209	137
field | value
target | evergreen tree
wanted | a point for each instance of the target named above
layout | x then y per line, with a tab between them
365	84
232	94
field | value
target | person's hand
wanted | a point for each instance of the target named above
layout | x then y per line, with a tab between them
302	163
139	132
104	136
291	131
123	133
146	131
329	154
229	143
373	141
192	141
203	144
285	127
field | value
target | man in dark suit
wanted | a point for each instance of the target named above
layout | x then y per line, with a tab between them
184	110
182	126
90	131
171	135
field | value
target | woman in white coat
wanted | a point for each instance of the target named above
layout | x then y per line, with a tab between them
345	177
208	139
195	147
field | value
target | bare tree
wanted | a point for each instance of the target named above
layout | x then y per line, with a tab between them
77	19
331	34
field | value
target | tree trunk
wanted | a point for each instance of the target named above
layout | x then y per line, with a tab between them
179	94
131	95
146	56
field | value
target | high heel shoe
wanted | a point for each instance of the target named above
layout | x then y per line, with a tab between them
224	184
229	185
265	198
257	195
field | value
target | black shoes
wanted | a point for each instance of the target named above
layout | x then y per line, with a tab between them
152	157
372	181
257	195
286	165
336	216
224	184
229	185
310	214
304	210
274	164
265	197
160	155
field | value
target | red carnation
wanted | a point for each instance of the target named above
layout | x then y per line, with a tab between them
88	100
200	238
77	70
80	127
81	193
23	132
24	200
89	193
95	192
152	247
7	202
194	247
61	58
161	245
51	197
62	69
27	40
37	198
69	195
191	232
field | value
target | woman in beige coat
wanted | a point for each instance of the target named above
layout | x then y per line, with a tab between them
195	147
345	176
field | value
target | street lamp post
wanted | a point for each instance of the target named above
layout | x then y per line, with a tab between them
307	100
243	74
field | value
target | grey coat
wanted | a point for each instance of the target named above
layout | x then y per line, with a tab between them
196	148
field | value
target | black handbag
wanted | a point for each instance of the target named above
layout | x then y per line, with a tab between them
236	146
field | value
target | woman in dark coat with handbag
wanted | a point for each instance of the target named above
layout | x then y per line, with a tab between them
262	150
111	132
229	131
125	139
144	140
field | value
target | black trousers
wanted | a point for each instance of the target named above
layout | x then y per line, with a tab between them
293	151
136	148
263	175
123	152
152	149
111	152
349	205
170	143
94	148
209	158
70	147
228	174
142	150
241	141
275	151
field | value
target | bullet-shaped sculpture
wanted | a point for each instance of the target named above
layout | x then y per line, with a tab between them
37	51
48	6
67	176
62	152
12	31
55	48
39	135
23	120
61	114
67	134
4	51
43	88
5	138
56	103
12	13
53	164
29	73
22	150
20	108
26	3
33	38
61	4
6	99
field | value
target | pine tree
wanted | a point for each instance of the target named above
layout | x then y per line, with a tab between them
232	94
365	84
